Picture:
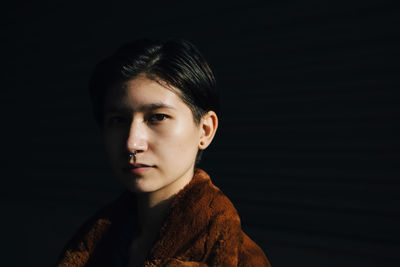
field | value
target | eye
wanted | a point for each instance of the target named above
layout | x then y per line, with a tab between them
115	120
158	117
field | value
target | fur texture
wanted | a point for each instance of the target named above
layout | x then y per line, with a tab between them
202	228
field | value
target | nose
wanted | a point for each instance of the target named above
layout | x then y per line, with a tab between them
137	137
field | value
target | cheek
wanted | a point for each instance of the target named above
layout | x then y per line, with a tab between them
178	140
113	144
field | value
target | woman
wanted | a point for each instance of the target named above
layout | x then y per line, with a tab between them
157	105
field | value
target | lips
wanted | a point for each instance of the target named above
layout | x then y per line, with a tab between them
138	168
138	165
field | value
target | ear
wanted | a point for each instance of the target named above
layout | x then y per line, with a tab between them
208	128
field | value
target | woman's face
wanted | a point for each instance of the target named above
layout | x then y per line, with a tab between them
146	117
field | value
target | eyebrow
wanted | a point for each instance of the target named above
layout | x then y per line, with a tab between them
141	108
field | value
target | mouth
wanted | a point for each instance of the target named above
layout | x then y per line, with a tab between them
138	167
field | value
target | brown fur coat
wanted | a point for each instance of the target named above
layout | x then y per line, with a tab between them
202	228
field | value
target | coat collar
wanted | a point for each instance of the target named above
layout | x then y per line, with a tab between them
187	215
185	218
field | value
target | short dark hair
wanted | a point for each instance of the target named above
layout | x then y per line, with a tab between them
176	62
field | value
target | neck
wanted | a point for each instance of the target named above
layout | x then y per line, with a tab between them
151	213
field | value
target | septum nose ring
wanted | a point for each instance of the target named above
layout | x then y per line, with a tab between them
133	155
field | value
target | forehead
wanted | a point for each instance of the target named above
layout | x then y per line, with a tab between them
143	93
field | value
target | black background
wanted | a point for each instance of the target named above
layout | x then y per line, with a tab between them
308	143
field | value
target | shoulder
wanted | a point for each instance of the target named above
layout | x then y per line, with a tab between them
207	200
78	249
230	237
231	246
203	190
251	254
101	218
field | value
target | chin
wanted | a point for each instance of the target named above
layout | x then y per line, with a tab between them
142	187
